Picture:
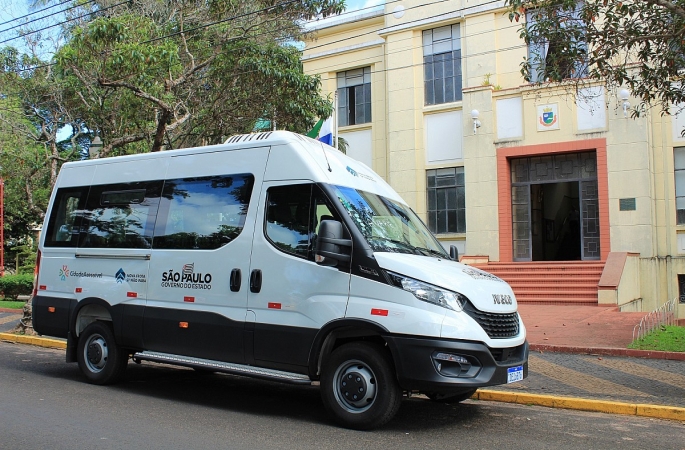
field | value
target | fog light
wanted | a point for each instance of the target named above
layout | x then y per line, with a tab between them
452	358
450	365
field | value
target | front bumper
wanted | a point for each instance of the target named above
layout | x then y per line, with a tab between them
419	370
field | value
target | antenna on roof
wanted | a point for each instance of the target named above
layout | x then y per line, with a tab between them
325	156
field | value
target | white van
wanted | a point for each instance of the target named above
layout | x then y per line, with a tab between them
271	256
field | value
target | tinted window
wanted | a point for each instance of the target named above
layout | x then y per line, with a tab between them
202	213
293	215
120	215
63	226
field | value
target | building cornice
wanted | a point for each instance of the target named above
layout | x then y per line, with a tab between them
336	21
340	50
451	16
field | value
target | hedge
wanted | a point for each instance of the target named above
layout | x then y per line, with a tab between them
12	286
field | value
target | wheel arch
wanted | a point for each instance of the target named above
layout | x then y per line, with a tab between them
89	310
339	332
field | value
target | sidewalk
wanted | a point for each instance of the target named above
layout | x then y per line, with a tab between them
578	360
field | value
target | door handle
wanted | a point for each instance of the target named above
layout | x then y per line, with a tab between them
235	280
256	281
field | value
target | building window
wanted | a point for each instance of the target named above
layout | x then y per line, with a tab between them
442	65
679	166
545	56
446	205
354	97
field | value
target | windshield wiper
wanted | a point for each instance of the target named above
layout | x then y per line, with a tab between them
430	251
404	245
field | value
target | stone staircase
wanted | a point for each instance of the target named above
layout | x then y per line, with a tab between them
550	282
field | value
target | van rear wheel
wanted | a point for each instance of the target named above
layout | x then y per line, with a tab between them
98	355
359	387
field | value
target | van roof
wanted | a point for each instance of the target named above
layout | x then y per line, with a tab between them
307	159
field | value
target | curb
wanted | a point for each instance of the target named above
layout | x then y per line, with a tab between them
33	340
11	310
582	404
608	351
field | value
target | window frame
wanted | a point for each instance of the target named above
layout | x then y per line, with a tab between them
348	88
460	199
680	217
442	52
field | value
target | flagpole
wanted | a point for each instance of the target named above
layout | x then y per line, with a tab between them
335	120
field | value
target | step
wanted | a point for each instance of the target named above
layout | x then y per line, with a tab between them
220	366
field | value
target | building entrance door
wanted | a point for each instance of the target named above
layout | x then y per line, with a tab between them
555	207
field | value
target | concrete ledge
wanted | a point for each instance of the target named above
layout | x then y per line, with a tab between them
582	404
33	340
606	351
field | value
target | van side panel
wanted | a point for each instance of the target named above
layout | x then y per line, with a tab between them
203	234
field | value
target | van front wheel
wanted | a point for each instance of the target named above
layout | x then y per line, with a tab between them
99	357
359	387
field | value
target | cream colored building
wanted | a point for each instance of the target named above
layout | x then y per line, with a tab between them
432	98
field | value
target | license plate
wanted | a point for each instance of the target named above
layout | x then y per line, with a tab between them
514	374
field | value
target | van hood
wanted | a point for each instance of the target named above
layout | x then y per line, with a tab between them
485	291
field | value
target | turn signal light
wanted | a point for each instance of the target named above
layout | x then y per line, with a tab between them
183	324
51	309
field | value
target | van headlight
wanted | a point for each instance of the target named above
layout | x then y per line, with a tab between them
428	292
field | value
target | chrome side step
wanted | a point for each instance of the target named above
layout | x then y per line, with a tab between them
219	366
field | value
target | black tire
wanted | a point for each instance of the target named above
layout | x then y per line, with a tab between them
451	398
363	370
98	355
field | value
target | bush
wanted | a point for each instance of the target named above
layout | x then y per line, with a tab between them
12	286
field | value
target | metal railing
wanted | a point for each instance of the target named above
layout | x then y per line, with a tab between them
664	315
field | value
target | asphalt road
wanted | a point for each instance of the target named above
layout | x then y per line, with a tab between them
44	403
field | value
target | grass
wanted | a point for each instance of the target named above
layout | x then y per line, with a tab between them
666	339
12	304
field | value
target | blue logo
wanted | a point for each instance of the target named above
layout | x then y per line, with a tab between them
120	276
352	171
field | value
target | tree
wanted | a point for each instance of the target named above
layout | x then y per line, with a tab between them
638	44
185	72
32	112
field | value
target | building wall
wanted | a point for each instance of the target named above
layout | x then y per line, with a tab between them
636	153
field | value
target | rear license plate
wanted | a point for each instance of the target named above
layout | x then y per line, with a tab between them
514	374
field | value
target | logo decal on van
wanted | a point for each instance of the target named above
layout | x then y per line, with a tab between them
186	278
64	273
352	171
120	276
502	299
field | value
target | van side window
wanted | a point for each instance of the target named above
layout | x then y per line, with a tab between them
63	226
293	215
202	213
120	215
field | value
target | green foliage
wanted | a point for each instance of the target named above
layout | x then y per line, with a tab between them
12	286
666	338
151	75
18	305
638	44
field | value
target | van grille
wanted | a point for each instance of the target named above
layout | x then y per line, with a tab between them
497	326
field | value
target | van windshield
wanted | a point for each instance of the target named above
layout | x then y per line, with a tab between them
388	226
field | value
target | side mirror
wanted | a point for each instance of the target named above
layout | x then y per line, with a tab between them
328	250
454	253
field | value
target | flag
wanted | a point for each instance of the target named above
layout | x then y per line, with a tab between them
323	131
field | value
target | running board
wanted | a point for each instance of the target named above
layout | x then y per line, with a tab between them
219	366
